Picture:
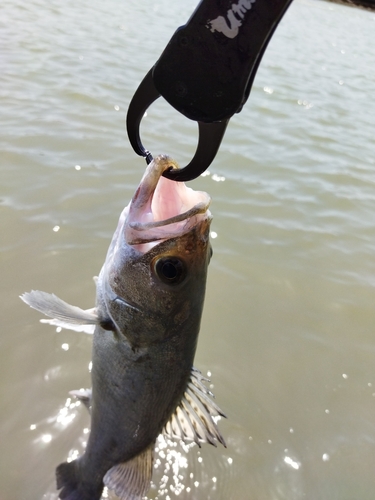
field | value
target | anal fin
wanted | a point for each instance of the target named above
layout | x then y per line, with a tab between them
131	480
84	396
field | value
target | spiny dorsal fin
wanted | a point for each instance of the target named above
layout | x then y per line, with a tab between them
131	480
194	417
62	313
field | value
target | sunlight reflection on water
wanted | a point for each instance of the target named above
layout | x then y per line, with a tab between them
174	460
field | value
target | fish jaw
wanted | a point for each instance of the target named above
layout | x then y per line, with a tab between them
162	208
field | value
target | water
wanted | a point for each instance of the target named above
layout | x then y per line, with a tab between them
288	326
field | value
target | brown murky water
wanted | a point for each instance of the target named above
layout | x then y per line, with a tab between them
288	329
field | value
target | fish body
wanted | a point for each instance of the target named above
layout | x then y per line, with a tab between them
150	295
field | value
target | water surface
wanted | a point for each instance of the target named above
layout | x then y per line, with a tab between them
288	327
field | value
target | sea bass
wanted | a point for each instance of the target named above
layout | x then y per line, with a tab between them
149	301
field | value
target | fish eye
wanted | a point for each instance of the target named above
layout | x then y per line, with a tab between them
170	270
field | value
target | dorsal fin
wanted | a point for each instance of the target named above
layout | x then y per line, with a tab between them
131	480
194	417
62	313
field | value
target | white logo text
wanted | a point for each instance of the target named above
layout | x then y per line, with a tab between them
230	24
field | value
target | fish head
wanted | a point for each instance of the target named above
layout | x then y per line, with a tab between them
153	281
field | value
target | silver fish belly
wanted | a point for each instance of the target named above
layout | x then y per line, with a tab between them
150	295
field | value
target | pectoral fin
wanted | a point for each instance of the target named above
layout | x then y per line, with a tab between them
69	326
84	396
194	418
131	480
62	313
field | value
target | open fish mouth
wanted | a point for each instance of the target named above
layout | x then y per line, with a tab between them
161	208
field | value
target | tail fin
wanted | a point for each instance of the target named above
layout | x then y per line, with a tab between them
71	486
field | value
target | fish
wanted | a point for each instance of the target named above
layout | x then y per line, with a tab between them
145	324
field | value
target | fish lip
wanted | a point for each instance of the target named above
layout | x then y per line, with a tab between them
143	223
199	208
